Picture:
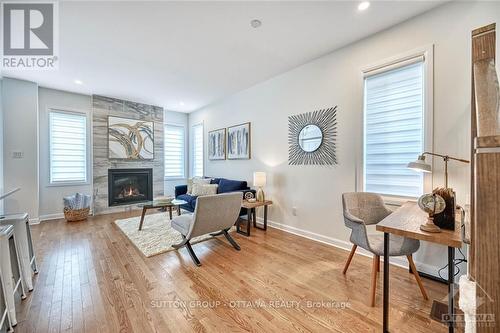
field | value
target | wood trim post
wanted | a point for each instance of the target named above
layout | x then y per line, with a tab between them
484	253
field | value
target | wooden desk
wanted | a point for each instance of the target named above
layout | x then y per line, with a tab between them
250	206
406	221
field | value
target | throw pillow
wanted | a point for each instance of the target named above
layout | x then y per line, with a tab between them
228	185
203	181
189	186
196	180
204	189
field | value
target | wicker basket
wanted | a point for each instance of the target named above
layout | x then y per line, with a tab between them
73	215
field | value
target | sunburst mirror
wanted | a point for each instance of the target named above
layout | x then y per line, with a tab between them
312	136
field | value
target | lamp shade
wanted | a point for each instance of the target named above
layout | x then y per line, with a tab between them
259	179
420	165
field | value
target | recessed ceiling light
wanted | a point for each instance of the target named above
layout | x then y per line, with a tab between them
181	103
364	5
78	82
255	23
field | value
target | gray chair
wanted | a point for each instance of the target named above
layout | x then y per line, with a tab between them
362	209
214	214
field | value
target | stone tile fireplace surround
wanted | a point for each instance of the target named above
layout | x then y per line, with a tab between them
102	108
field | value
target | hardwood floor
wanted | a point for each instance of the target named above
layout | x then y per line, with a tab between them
92	279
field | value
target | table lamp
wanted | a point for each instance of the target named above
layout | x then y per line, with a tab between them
421	165
259	180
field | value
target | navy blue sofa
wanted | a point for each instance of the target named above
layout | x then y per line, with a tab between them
225	185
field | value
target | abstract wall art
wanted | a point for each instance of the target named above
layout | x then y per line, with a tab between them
130	139
238	142
217	144
312	138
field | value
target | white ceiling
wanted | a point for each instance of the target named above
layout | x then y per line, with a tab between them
185	55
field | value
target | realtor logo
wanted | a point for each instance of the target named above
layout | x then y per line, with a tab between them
29	36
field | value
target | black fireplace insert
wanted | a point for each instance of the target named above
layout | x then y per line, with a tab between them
127	186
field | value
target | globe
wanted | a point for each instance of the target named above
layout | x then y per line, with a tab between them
431	203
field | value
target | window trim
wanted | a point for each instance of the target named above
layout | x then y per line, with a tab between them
427	52
183	126
88	147
191	150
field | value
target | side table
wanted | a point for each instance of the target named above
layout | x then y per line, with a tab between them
252	216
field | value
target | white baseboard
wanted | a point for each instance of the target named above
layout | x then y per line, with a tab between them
344	245
48	217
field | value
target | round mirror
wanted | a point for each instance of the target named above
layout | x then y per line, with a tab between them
310	138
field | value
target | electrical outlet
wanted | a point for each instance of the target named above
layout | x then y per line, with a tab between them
294	211
17	154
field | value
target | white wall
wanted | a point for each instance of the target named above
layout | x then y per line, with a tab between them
25	112
20	110
51	203
335	79
178	118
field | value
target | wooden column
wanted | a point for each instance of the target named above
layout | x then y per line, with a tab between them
484	253
483	47
487	174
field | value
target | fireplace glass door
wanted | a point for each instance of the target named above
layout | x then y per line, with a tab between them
128	186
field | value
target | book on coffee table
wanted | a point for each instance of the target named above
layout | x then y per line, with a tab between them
163	200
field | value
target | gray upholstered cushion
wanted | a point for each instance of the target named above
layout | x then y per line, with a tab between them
398	246
368	207
182	223
204	189
215	212
361	209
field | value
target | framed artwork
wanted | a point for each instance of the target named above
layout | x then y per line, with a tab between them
238	142
312	138
217	144
130	139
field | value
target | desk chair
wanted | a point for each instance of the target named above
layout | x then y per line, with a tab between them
362	209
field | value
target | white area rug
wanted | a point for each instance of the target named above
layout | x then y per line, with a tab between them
156	236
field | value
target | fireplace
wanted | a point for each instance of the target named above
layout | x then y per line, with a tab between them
127	186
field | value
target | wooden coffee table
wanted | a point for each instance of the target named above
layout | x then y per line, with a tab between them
252	216
161	204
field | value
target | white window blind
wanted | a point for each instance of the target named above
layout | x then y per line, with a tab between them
68	147
198	150
174	151
394	127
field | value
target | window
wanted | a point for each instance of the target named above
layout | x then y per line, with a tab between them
174	151
394	112
198	150
68	147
